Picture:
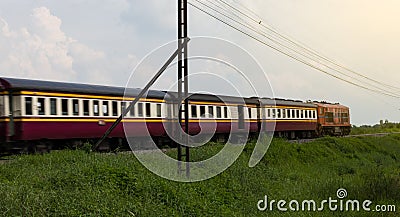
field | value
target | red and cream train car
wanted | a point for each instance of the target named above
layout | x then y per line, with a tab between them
44	113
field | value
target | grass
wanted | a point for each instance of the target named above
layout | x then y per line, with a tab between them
75	183
383	127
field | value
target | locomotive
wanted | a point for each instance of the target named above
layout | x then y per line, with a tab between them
47	114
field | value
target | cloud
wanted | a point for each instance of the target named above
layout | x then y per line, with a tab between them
42	50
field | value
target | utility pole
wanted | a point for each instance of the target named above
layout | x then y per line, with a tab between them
183	87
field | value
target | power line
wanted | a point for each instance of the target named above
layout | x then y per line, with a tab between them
283	52
300	45
297	52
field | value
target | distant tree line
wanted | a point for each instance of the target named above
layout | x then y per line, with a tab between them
384	126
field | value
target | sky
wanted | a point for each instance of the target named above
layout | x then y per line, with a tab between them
102	41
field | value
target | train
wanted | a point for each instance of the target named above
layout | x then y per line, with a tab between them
38	114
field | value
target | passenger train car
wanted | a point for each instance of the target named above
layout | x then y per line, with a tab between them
36	113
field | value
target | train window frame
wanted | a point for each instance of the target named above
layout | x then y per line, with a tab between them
114	108
53	106
75	107
268	113
148	110
219	112
202	109
226	115
41	106
85	107
64	107
96	108
28	108
249	112
284	113
210	111
123	107
279	113
193	111
140	112
159	110
132	111
105	108
274	113
306	114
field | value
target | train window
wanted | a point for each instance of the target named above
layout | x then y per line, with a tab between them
210	111
279	113
302	113
194	111
40	106
75	106
158	110
123	105
28	105
202	111
86	107
273	113
345	117
132	111
306	113
219	112
105	108
289	113
64	106
297	113
249	110
148	110
225	112
269	113
114	108
283	113
140	109
53	106
321	111
329	116
293	113
96	109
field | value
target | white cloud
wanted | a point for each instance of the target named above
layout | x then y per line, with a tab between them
42	50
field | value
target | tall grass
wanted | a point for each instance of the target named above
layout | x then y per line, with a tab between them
76	183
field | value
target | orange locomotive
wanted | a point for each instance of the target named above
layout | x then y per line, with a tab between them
333	119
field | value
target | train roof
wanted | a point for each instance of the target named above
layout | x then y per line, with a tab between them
18	84
286	102
330	105
217	98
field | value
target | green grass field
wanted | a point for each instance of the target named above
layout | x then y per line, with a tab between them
377	128
75	183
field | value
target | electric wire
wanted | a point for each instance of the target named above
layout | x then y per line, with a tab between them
301	45
380	90
284	52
